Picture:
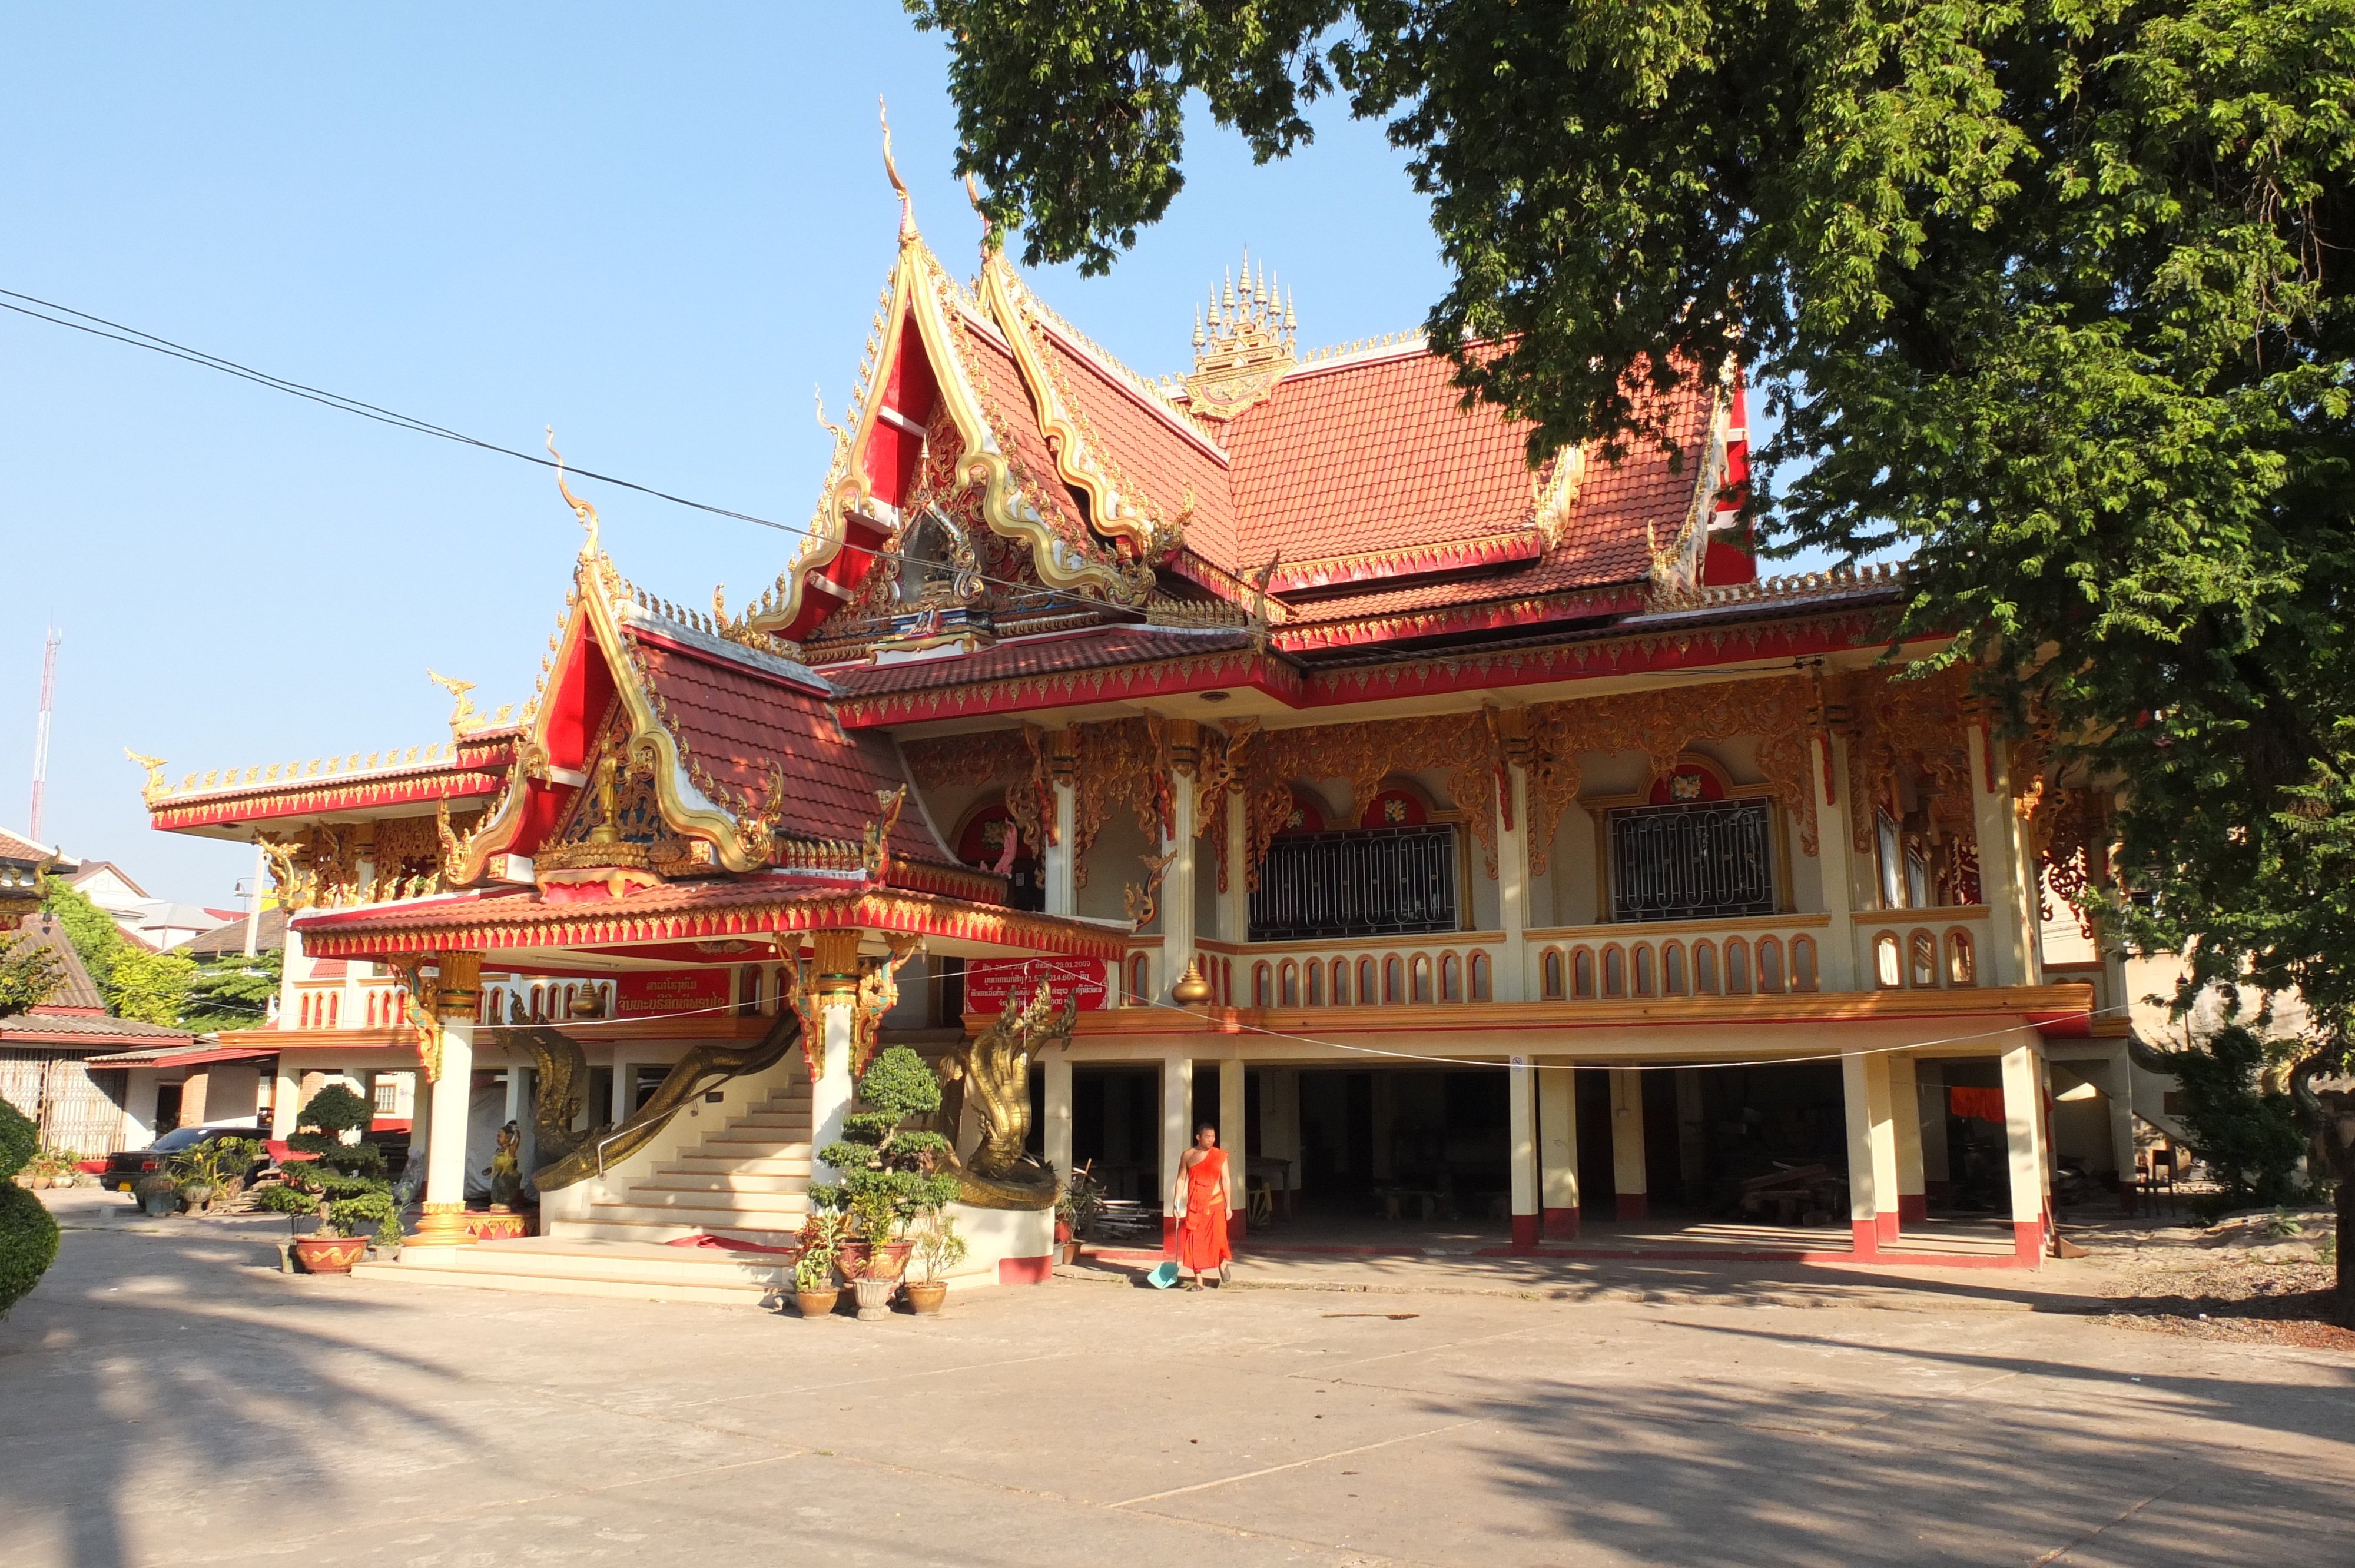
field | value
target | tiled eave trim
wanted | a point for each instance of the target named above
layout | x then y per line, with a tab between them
310	797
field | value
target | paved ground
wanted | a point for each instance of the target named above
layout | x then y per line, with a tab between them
169	1398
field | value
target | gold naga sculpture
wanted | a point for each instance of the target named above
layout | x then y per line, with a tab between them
994	1072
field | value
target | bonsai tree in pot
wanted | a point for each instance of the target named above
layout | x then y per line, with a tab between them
342	1183
1078	1201
815	1287
939	1248
889	1175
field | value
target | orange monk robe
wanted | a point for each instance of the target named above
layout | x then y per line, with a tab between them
1202	1234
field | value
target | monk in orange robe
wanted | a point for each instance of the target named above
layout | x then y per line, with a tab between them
1201	1199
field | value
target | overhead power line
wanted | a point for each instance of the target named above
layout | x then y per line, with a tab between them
117	332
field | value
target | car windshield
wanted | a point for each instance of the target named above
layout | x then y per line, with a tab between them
178	1139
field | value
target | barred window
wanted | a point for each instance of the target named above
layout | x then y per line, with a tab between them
1691	860
1368	881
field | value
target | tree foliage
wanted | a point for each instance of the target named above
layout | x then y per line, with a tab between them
29	977
232	992
133	981
2050	295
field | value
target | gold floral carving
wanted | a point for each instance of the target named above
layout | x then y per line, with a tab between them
1663	724
1913	727
1366	754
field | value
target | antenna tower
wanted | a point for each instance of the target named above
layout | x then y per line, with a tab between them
42	731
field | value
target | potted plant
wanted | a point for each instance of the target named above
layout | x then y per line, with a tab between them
889	1174
342	1183
214	1169
158	1194
939	1248
814	1289
1078	1201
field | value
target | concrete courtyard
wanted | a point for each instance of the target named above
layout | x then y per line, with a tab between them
170	1398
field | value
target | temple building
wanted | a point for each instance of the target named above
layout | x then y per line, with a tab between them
1475	842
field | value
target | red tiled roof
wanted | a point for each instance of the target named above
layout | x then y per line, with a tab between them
75	988
998	381
1351	470
1095	649
1148	452
81	1029
734	721
17	847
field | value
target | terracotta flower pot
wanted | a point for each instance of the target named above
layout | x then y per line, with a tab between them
817	1303
330	1255
925	1296
1071	1251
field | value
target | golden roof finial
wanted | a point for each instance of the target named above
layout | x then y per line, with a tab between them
460	716
1243	345
907	204
581	509
823	423
154	767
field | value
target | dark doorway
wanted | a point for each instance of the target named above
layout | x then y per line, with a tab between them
1598	1186
167	1108
1116	1128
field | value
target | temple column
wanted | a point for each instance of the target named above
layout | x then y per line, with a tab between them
285	1102
1886	1207
1510	979
1835	957
1279	1127
1634	1201
835	982
1521	1143
1856	1101
1905	1111
1063	885
451	1070
2007	875
1234	899
2024	1151
1176	896
1234	1137
1056	1133
1177	1108
1558	1150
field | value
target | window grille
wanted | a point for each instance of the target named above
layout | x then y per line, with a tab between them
1699	860
1367	882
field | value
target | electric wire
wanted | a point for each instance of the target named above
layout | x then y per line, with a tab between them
116	332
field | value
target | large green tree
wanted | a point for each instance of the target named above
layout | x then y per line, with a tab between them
133	981
2051	296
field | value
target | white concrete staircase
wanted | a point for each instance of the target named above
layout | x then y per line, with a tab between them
747	1181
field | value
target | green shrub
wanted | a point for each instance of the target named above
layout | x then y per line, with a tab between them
28	1236
889	1176
2248	1138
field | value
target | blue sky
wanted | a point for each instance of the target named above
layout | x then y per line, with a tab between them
655	230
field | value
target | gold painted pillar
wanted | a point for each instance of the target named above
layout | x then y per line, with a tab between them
1176	898
836	983
1060	869
2008	874
1509	979
449	1068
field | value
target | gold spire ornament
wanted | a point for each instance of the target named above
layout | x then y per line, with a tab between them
1241	348
907	204
581	509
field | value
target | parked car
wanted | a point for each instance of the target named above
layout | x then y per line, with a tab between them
124	1167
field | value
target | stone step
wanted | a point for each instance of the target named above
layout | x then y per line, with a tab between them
641	1196
661	1228
765	1126
724	1182
609	1268
778	1164
740	1146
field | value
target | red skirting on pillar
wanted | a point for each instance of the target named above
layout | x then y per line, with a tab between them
1169	1235
1525	1230
1864	1238
2028	1242
1025	1270
1912	1208
1562	1224
1884	1227
1238	1223
1633	1206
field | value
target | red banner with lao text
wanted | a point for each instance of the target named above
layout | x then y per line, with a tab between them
990	983
654	993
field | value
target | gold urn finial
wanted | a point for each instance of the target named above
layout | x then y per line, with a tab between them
1243	345
1191	989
